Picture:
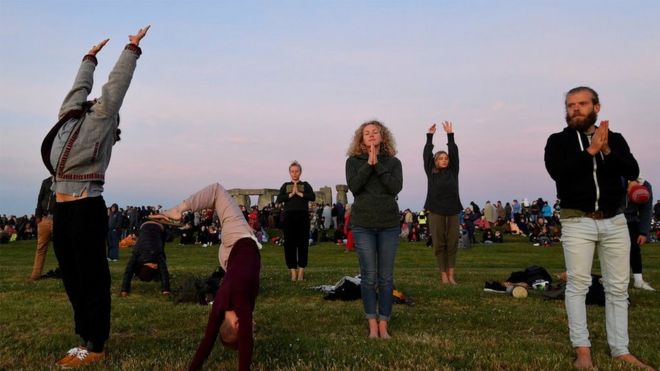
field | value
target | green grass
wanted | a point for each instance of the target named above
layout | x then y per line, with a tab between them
447	328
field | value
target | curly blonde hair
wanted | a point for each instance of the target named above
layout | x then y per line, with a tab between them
357	146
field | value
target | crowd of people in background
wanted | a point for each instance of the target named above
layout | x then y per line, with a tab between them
84	245
537	220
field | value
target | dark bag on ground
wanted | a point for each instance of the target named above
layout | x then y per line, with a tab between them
595	295
196	289
530	275
347	288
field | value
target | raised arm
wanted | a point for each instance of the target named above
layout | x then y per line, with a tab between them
139	35
84	81
452	148
114	91
427	154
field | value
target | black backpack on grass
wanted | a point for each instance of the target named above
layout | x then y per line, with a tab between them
530	275
196	289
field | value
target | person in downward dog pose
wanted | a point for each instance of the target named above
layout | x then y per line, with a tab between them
231	313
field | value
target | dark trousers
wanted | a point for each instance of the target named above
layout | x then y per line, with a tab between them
635	250
296	238
79	234
114	236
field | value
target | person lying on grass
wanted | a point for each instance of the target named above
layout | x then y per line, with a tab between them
231	313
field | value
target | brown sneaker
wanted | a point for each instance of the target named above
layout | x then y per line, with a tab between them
84	358
70	354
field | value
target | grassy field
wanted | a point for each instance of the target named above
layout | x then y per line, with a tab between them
448	327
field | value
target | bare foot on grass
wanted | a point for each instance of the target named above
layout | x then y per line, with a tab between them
444	278
583	358
382	330
373	329
631	359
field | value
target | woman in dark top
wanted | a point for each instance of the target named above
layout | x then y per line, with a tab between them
375	178
442	201
296	195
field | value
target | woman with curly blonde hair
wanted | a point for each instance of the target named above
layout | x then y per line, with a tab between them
359	147
374	176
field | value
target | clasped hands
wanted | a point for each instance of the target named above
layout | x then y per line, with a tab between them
599	140
295	190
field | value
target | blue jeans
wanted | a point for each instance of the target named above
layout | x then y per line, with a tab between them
581	237
376	249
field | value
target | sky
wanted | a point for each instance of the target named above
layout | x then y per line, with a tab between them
234	91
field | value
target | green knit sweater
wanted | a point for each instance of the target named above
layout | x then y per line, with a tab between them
375	190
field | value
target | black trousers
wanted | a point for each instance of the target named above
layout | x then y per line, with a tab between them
635	250
296	238
79	234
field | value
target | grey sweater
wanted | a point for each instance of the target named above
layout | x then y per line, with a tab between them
375	190
84	153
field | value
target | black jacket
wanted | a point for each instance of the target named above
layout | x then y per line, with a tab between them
296	203
46	199
442	186
583	183
149	248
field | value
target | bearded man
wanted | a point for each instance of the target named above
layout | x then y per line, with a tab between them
587	163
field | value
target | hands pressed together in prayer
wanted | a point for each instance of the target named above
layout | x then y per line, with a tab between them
295	191
599	140
373	155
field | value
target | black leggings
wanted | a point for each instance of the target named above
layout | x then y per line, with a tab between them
296	238
635	250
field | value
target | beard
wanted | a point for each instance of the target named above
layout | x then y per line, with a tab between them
582	124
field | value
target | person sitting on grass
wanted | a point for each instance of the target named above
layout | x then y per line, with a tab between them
231	313
148	260
539	233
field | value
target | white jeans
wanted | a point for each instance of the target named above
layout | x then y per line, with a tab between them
580	237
